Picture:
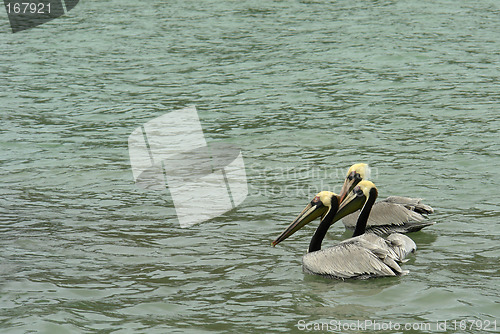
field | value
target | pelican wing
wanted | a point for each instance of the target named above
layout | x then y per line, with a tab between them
397	246
364	256
391	215
413	204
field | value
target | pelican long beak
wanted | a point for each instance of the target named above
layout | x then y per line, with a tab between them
311	212
351	203
350	182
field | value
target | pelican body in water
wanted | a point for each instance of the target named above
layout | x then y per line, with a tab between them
364	255
393	214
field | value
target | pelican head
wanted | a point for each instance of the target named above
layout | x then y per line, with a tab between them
355	174
320	206
356	199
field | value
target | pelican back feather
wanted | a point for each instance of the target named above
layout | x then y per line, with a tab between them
364	256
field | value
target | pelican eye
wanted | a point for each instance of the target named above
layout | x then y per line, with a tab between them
317	202
358	177
358	191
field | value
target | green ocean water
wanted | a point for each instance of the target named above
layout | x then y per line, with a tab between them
305	89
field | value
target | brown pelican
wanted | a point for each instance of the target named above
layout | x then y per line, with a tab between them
393	214
364	255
